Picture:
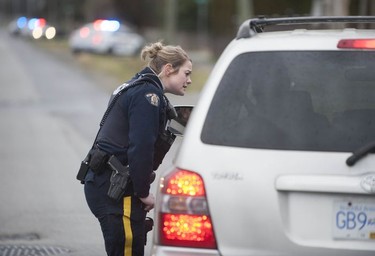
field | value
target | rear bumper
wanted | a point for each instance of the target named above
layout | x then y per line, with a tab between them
181	251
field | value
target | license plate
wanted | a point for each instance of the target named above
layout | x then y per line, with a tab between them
354	220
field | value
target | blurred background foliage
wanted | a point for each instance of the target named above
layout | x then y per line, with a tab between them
203	27
192	23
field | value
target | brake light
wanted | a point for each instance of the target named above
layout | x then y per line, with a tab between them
186	184
84	32
97	39
184	217
356	44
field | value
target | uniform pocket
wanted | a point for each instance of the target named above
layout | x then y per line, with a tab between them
98	160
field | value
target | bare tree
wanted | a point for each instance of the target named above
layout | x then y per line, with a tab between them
245	10
330	7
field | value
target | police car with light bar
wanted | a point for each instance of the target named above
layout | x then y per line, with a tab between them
277	157
106	37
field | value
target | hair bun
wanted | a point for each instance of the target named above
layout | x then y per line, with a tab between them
160	55
151	50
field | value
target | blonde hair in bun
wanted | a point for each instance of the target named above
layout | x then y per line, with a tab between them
160	55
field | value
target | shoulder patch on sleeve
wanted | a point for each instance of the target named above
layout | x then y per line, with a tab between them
153	99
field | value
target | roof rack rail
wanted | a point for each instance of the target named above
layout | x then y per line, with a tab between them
252	26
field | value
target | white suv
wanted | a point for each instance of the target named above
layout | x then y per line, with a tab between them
276	157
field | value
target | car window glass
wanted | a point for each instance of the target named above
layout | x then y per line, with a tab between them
319	101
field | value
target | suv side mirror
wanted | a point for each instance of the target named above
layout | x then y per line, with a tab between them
177	125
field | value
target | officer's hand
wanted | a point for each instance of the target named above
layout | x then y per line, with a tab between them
148	201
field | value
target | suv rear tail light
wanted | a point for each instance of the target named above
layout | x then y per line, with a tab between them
356	44
184	217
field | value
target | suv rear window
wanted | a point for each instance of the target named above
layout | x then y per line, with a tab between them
318	101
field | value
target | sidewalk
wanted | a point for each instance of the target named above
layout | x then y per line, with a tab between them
42	205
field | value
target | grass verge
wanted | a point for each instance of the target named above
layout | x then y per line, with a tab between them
119	68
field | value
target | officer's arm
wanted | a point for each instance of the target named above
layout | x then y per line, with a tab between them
143	130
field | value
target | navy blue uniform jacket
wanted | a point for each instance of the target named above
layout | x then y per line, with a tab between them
132	127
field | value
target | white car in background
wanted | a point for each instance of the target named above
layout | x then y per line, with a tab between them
106	37
277	155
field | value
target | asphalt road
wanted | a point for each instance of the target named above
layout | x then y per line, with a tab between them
49	111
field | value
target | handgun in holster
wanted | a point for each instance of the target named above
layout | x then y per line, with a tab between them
119	178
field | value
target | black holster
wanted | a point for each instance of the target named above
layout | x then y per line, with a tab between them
149	224
98	160
83	169
119	179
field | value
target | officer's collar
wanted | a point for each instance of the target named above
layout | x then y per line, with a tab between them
152	75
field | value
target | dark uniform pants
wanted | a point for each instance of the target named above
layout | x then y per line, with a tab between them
122	223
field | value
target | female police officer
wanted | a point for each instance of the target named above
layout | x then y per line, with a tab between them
129	132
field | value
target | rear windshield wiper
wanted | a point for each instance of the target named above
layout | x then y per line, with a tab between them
361	152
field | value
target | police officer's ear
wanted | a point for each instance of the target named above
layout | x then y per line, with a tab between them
168	69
